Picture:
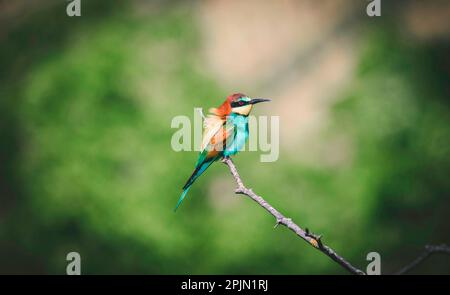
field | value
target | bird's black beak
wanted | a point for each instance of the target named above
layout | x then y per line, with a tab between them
258	100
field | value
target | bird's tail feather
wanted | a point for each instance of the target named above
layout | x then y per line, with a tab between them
193	177
197	172
185	191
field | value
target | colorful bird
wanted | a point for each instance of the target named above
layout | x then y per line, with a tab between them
225	133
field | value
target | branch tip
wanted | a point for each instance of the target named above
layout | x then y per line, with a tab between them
428	252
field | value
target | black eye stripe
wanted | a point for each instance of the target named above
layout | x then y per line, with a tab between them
240	103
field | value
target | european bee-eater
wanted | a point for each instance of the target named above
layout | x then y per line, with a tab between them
225	133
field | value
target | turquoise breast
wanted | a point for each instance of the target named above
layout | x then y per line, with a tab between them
240	134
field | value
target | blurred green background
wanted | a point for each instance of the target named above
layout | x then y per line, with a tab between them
86	163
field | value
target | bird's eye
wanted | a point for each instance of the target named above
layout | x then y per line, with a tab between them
241	103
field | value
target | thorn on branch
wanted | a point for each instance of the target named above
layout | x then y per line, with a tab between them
277	223
316	238
239	190
282	220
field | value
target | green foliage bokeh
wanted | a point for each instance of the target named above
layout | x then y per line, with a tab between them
87	164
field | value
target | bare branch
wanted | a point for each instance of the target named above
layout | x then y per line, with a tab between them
429	250
310	238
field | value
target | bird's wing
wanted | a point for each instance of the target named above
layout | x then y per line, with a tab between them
217	142
221	138
211	126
